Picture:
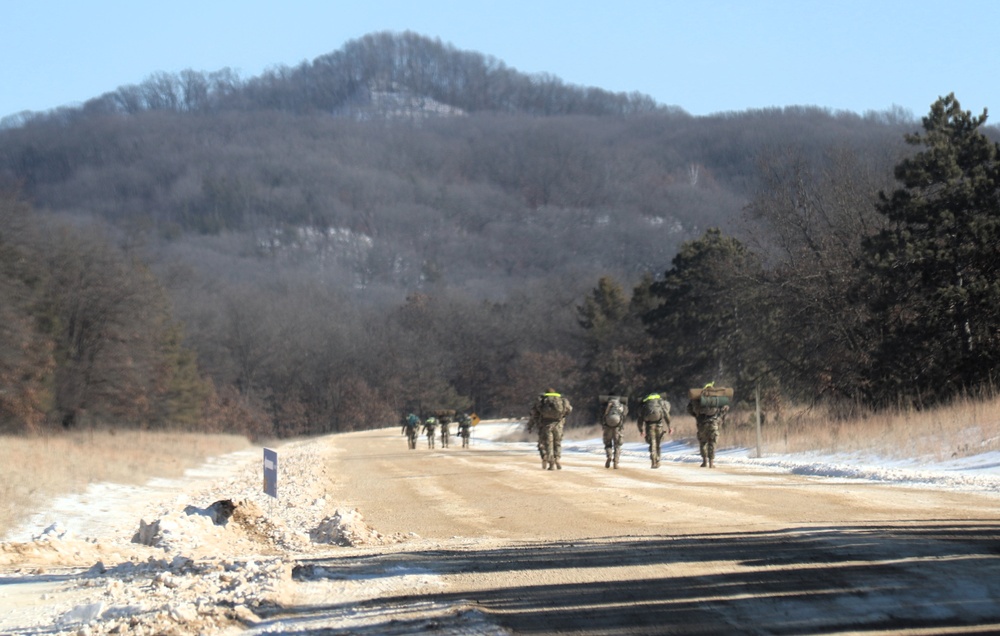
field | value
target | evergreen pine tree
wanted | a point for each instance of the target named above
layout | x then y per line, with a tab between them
697	327
934	286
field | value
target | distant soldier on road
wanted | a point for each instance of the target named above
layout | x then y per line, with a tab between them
411	428
464	428
430	427
654	416
444	419
548	415
612	424
709	417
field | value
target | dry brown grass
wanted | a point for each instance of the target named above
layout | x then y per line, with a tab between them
967	427
34	469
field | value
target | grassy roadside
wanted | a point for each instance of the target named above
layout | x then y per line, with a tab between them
33	469
967	427
963	428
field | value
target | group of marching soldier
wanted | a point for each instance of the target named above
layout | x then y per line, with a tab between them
413	426
708	406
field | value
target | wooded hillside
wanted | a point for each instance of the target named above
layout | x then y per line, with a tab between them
400	225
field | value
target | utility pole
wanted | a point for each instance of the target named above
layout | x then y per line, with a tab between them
757	400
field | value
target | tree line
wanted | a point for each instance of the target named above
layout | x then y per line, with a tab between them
846	284
386	61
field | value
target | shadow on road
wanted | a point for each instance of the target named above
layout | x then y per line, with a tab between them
888	577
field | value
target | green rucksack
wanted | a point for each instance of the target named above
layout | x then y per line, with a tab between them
551	406
654	409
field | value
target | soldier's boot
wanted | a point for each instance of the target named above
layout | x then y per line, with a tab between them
711	463
704	462
558	465
615	460
607	462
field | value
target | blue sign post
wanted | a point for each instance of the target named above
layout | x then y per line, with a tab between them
271	472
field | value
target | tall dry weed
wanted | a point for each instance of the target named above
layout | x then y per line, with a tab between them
34	469
966	427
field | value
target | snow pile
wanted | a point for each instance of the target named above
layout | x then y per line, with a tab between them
199	561
224	522
348	528
176	596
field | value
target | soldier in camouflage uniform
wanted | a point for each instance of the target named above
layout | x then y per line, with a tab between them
550	427
654	416
445	421
411	427
464	428
709	420
430	426
612	424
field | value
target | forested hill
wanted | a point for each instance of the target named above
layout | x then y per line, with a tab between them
423	160
401	64
397	222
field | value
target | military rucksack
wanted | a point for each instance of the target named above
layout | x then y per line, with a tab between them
711	396
613	416
551	407
654	409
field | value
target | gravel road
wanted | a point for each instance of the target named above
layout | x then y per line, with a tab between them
372	538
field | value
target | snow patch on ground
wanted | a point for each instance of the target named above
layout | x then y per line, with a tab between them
977	473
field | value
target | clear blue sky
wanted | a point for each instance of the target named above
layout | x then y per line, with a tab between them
705	56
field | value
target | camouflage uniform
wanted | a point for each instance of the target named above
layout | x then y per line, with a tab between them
550	431
709	420
445	421
653	429
612	431
430	424
464	429
411	426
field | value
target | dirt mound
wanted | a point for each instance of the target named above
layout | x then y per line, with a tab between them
55	545
216	528
347	528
